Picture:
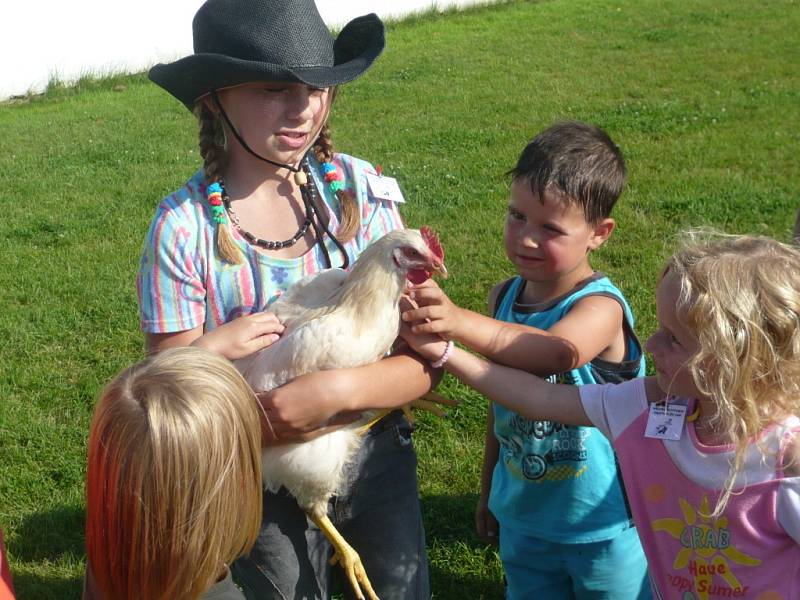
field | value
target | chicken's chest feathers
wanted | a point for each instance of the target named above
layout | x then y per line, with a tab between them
312	471
338	339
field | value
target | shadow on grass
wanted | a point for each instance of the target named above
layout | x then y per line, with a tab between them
49	535
29	586
53	536
445	585
451	518
462	566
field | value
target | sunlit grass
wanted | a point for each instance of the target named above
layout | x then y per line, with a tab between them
702	96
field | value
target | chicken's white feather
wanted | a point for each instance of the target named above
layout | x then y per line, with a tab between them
333	320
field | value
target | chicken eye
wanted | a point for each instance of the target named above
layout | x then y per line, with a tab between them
411	253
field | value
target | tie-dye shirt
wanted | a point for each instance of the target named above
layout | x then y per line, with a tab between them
182	282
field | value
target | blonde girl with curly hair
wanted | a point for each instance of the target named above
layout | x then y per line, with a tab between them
707	447
173	485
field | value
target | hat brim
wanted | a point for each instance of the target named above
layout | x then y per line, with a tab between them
357	46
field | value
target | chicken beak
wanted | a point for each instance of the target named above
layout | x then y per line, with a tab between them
438	266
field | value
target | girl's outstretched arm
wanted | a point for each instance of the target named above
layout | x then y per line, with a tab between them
520	391
525	394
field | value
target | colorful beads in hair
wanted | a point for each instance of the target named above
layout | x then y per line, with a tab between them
332	177
214	192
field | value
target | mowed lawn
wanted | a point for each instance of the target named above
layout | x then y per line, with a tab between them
702	96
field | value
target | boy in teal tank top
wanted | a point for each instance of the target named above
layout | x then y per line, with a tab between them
564	526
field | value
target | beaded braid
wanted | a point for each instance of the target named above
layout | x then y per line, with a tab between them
215	159
350	220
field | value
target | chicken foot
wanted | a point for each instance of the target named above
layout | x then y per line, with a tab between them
347	557
428	402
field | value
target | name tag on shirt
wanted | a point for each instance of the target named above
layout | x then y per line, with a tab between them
384	188
665	421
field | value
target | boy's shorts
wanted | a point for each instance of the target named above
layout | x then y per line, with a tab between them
613	569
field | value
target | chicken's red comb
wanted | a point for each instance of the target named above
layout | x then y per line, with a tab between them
432	241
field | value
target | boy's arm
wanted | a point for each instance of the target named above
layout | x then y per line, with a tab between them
584	333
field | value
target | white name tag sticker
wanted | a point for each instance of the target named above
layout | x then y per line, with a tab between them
665	421
385	188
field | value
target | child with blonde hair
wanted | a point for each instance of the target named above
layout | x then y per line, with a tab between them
708	446
173	485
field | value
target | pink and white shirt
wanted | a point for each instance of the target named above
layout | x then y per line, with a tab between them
752	550
183	284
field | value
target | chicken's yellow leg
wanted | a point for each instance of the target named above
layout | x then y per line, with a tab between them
346	556
365	428
428	402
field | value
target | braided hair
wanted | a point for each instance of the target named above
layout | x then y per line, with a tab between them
211	140
215	160
350	219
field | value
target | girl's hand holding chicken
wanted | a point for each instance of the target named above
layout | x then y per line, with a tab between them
243	336
310	406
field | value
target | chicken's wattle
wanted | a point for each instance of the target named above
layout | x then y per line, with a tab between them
418	276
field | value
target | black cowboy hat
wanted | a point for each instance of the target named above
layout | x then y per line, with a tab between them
243	41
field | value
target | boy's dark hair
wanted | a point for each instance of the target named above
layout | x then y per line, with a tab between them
578	160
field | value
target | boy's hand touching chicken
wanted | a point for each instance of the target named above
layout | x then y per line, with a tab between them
436	313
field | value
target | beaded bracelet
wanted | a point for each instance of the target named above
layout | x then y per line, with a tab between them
445	356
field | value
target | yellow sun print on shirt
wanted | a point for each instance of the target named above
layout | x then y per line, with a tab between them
706	547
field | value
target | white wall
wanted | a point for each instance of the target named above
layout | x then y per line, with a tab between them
45	39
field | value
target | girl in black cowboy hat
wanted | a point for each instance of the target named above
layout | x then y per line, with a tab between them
272	204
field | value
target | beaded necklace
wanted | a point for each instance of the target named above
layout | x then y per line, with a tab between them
257	241
220	204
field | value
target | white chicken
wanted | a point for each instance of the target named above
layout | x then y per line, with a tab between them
335	320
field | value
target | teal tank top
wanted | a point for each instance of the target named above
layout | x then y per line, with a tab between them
552	481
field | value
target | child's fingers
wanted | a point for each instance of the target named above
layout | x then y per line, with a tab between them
262	317
428	283
263	341
285	434
422	313
428	327
407	303
492	527
414	314
429	296
486	526
268	324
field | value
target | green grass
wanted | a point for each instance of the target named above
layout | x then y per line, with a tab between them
702	96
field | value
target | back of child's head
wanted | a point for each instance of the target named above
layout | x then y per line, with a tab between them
577	160
740	295
173	480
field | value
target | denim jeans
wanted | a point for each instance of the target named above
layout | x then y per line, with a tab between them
376	510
